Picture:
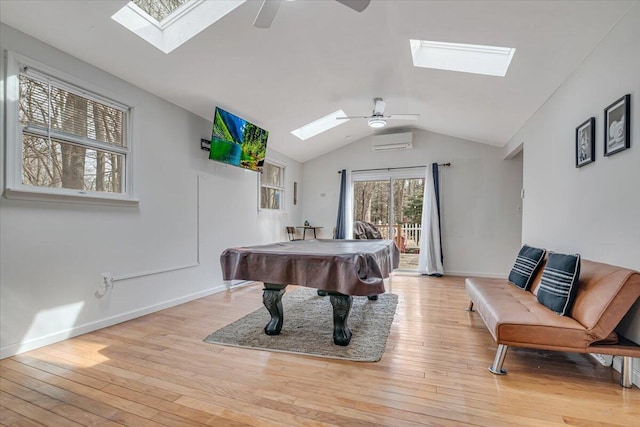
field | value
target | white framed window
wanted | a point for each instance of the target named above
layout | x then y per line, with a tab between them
272	187
64	139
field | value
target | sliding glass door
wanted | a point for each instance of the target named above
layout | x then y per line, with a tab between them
371	204
391	203
407	219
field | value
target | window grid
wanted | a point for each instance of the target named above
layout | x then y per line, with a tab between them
69	138
272	187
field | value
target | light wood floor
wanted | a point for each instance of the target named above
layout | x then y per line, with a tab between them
156	371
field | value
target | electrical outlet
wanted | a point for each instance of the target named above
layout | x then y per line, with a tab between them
105	285
107	279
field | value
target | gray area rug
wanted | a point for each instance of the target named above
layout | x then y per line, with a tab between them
308	327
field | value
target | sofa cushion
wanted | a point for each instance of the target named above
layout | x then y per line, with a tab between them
605	294
516	318
558	285
527	263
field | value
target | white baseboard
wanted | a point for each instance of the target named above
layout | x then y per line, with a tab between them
232	284
13	349
635	374
452	273
603	359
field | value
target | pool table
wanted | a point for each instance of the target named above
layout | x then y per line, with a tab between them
338	268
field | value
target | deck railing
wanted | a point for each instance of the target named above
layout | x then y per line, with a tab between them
410	232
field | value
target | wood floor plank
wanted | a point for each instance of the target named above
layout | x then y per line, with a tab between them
80	389
101	373
57	407
88	405
9	418
157	371
178	413
34	412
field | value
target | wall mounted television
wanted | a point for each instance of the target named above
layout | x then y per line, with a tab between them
237	142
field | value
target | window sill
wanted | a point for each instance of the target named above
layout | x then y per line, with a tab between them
78	198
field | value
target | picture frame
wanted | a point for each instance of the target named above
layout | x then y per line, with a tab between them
617	126
586	143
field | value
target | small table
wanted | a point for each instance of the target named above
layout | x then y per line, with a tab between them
339	268
308	227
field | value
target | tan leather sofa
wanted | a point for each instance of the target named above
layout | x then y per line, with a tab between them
515	318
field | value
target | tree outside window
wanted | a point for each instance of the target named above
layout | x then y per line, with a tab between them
272	186
70	139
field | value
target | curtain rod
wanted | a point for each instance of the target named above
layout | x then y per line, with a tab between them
406	167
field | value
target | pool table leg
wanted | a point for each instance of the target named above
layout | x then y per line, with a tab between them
341	308
272	299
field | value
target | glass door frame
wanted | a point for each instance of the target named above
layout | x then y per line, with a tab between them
389	176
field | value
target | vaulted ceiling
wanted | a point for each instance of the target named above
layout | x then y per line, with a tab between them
319	56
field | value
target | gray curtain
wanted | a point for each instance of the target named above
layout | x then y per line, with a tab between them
341	222
431	259
435	172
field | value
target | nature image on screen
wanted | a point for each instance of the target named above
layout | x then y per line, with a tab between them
237	142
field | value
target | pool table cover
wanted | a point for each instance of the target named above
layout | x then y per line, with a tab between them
349	267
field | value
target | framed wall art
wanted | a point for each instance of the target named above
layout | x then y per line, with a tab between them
617	126
586	142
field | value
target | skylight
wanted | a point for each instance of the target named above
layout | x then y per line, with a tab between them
467	58
159	9
167	24
321	125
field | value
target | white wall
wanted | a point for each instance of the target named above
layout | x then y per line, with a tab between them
52	254
593	210
480	196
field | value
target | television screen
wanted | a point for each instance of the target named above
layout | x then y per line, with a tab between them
237	142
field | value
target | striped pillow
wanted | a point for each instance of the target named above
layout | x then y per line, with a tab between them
527	263
559	282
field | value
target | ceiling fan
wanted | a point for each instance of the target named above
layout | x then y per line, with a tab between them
377	119
269	9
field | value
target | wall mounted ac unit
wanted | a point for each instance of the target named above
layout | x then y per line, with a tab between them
393	141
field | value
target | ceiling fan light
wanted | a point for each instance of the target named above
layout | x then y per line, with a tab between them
377	122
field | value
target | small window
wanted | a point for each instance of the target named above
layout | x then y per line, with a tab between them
68	140
272	187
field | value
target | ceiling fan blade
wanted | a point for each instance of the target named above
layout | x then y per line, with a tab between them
352	117
379	107
357	5
403	116
267	12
